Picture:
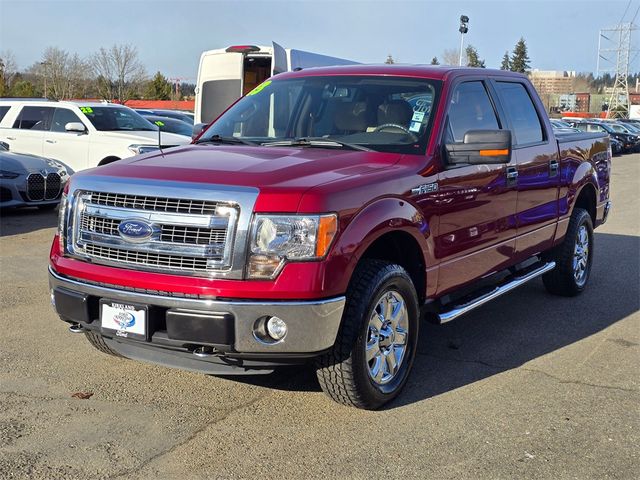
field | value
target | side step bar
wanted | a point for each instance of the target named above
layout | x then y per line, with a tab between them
514	283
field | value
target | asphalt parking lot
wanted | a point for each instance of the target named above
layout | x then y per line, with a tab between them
530	386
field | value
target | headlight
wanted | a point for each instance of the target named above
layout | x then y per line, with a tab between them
62	222
140	149
276	239
7	174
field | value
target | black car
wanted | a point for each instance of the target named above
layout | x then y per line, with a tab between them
184	116
630	142
171	125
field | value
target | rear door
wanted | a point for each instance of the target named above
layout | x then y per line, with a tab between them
536	154
27	132
476	204
72	148
219	83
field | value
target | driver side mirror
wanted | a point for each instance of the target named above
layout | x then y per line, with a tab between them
481	147
76	127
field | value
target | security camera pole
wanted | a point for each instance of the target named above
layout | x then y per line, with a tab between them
464	20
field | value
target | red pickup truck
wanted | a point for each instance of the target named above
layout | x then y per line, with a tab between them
321	217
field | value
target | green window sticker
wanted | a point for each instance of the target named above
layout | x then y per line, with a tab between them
259	88
86	109
159	123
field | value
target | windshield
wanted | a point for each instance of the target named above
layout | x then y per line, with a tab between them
116	119
386	114
172	125
619	129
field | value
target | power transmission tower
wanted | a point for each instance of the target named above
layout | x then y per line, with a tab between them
617	48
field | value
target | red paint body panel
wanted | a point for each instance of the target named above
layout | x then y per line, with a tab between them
471	225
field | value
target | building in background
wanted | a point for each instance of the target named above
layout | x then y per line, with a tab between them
552	81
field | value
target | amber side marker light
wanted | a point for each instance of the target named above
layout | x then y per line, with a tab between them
493	153
326	231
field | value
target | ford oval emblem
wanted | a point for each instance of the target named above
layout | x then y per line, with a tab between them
135	230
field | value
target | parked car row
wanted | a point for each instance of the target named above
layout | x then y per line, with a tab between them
80	134
624	134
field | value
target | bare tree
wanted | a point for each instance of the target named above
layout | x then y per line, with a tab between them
451	56
9	67
119	72
64	75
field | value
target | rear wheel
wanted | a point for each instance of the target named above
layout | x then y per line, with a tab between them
98	342
573	257
376	345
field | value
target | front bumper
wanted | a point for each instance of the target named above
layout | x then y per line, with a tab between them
312	325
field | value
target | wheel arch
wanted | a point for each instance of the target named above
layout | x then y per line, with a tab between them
390	229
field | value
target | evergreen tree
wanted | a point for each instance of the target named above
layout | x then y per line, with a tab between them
506	62
520	58
158	88
23	89
473	60
434	61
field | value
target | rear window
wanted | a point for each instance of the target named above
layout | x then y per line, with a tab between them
521	111
3	112
217	95
34	118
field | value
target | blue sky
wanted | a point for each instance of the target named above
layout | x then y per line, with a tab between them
170	35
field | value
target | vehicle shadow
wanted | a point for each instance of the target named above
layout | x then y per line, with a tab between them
17	221
512	330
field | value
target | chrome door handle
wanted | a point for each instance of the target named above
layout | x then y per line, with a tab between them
512	176
11	138
50	141
553	168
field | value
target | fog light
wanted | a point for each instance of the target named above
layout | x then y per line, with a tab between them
277	328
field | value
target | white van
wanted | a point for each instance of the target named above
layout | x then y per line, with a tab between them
225	74
79	134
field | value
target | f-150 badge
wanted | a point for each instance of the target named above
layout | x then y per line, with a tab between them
425	188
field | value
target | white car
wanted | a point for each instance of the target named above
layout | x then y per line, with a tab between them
80	134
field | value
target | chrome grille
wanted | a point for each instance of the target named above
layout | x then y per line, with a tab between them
174	262
155	204
198	239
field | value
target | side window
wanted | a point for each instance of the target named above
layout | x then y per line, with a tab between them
61	117
470	109
34	118
3	112
524	119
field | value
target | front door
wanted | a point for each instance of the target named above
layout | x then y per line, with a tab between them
27	133
71	148
476	204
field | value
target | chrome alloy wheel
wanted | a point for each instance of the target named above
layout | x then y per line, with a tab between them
581	256
387	337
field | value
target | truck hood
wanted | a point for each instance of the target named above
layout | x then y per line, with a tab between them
271	169
143	137
282	174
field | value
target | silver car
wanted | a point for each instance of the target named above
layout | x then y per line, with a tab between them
27	180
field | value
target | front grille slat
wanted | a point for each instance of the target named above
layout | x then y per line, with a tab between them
147	258
156	204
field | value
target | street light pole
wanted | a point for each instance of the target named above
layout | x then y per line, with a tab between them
464	28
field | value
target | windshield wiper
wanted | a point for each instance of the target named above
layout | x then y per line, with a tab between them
227	140
320	142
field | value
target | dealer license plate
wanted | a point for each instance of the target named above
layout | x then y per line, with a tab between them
124	319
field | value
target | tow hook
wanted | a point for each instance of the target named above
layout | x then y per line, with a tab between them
76	328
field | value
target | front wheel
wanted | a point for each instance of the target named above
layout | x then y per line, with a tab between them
376	345
573	257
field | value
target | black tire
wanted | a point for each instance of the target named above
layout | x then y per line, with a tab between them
344	372
98	342
562	279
